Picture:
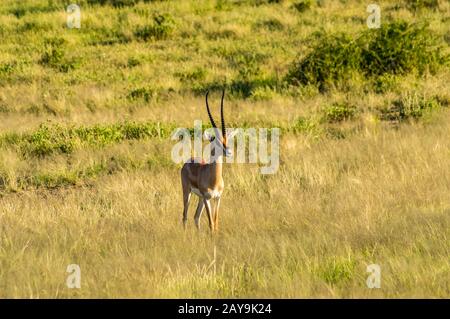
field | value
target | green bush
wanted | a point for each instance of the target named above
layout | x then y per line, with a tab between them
333	59
396	48
399	48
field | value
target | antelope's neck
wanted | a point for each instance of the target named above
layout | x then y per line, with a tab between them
216	169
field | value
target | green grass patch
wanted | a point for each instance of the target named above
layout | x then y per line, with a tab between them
161	27
54	55
51	139
338	112
303	5
410	106
142	93
337	270
418	5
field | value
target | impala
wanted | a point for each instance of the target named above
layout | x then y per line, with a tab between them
205	179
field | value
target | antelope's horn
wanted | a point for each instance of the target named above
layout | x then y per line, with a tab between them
209	112
221	114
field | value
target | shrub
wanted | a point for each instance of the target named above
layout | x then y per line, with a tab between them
395	48
399	48
333	59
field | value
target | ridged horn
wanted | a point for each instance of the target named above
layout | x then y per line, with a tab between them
221	114
209	112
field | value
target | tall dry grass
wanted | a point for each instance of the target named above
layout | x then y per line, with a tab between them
308	231
364	175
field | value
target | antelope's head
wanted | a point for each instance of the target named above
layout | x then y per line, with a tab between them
219	138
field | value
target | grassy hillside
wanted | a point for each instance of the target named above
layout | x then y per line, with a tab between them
85	170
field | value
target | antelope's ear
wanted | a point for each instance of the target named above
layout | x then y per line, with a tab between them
232	133
208	135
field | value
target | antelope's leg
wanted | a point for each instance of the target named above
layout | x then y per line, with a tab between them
208	210
186	199
216	214
198	212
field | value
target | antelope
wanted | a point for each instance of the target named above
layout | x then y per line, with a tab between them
205	179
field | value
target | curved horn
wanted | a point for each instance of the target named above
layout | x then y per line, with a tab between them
209	112
221	114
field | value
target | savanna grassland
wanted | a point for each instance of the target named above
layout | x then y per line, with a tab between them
86	175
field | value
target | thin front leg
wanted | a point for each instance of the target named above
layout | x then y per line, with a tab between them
208	210
186	199
198	213
216	215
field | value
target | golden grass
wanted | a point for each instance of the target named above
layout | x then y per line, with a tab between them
348	203
336	205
